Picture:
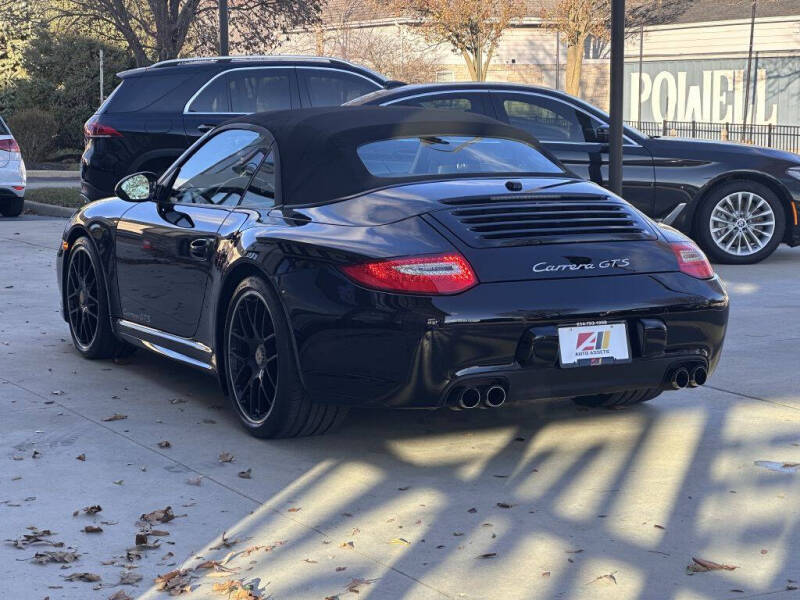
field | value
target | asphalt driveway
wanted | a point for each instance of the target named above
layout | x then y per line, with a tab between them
539	502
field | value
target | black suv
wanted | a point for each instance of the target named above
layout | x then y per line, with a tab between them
159	111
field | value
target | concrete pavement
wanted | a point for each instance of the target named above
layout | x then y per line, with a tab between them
540	502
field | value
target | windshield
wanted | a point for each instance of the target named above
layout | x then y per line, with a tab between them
451	154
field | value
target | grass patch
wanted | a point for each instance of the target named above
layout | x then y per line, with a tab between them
70	197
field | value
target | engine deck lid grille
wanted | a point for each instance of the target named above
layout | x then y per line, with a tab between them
524	219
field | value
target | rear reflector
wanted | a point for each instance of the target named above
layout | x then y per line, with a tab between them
9	145
19	188
434	274
691	260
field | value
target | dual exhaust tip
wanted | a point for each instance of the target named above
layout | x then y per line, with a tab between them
493	396
692	377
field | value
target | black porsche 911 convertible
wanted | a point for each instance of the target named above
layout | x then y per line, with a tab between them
323	258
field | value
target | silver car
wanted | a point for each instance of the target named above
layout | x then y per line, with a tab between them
12	174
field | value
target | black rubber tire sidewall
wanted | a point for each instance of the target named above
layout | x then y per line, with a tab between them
286	396
105	342
703	232
12	207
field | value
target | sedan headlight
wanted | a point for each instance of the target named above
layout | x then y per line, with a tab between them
794	172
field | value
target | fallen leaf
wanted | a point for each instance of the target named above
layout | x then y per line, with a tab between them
310	561
119	595
118	482
504	505
404	488
36	536
658	526
226	457
159	516
357	582
487	555
115	417
164	444
89	510
245	474
159	533
195	480
607	577
293	509
82	577
129	578
55	556
226	542
81	457
347	545
92	529
36	454
578	551
472	510
546	574
400	541
700	565
764	551
340	569
235	590
141	538
781	467
175	582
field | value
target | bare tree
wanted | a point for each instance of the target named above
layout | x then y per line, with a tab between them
579	20
162	29
472	27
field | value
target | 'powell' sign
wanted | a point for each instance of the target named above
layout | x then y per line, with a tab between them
714	91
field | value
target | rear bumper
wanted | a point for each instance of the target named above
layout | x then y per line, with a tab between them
412	352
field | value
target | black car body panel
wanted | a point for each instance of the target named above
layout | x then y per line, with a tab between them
151	110
660	174
359	346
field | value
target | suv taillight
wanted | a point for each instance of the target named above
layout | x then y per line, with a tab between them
431	274
95	129
691	260
9	145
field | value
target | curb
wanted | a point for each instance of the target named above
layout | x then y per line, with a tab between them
45	174
48	210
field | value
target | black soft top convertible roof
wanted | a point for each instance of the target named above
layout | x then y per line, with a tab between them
317	147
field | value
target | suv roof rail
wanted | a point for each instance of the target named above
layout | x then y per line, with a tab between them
257	57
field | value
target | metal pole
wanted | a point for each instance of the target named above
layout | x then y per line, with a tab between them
639	86
749	65
558	57
101	76
223	28
617	95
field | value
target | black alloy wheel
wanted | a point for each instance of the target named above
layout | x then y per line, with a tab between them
260	369
253	357
86	304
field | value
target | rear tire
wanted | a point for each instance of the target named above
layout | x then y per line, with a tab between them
12	207
86	304
750	205
261	372
618	399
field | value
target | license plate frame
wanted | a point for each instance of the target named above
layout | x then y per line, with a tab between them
593	343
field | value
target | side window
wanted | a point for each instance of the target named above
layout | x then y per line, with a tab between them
218	172
445	102
213	99
327	87
261	192
548	120
257	90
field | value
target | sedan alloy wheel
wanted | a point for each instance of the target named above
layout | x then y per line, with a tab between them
742	223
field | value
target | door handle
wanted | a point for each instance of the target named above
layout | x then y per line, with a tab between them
205	127
199	248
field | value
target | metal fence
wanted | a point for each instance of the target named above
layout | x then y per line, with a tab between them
783	137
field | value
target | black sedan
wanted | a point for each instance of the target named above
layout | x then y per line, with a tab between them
739	202
323	258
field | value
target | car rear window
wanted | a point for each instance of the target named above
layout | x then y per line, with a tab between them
449	154
136	93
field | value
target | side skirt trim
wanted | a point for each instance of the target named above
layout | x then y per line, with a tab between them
172	346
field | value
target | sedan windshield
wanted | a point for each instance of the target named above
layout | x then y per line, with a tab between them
451	154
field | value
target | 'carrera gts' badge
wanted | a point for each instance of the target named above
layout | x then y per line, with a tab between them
544	267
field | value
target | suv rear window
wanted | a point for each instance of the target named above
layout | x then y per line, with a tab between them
451	154
3	128
245	91
136	93
327	87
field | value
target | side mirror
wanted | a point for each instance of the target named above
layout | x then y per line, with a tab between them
137	187
601	134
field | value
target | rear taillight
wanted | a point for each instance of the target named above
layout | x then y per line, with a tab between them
95	129
691	260
9	145
434	274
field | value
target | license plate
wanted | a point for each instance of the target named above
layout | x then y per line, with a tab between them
593	344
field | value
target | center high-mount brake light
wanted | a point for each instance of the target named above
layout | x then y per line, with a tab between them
691	260
433	274
9	145
95	129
